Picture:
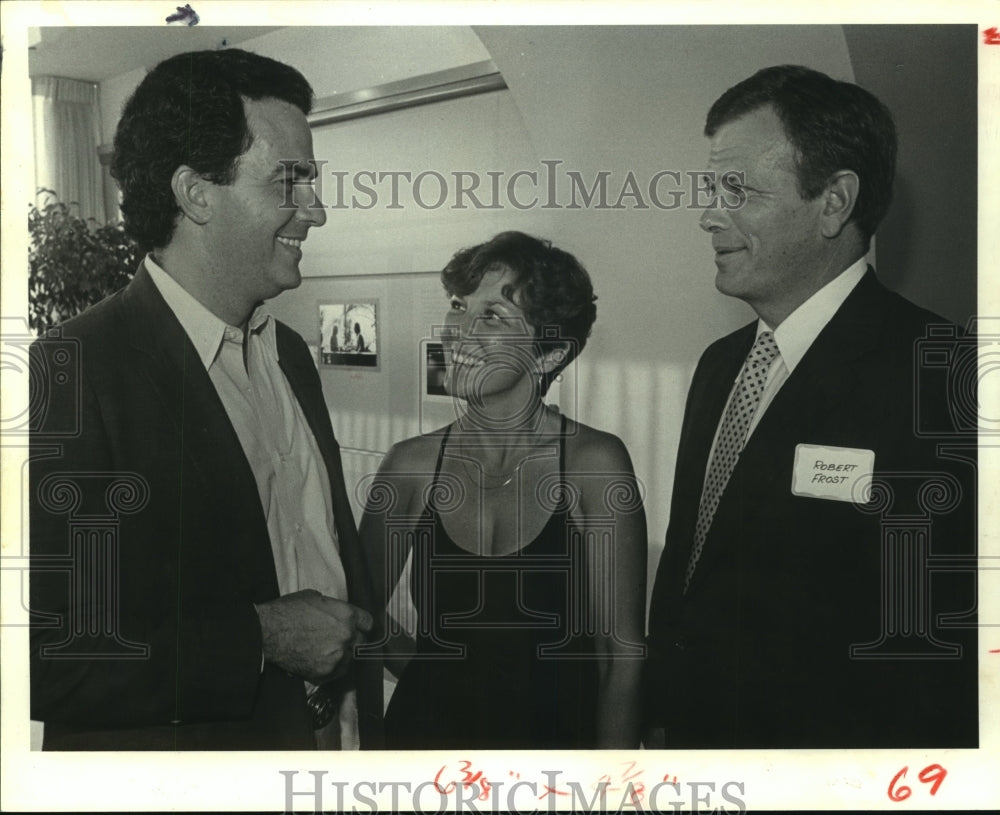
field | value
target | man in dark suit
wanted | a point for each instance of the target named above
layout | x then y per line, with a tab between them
197	581
817	586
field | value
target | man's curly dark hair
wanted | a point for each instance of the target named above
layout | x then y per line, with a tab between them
189	111
550	286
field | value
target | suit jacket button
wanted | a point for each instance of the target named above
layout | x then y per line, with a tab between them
680	645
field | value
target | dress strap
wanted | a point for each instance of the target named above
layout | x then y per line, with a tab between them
429	503
562	445
565	490
440	458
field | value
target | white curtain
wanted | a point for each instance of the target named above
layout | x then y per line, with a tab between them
67	123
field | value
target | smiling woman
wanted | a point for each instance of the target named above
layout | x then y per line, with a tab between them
512	516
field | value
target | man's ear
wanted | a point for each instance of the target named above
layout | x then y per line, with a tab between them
839	199
553	358
191	193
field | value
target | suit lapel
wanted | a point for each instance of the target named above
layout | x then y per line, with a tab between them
707	399
710	395
178	377
821	383
826	376
201	425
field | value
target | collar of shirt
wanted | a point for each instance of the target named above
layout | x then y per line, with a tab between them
799	329
204	329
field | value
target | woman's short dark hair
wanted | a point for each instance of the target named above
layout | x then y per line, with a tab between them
832	125
550	286
189	111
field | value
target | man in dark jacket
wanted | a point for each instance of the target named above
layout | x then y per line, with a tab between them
817	588
197	581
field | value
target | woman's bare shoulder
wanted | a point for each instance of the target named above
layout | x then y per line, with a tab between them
598	463
413	456
589	449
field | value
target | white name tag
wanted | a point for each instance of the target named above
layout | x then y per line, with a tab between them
834	473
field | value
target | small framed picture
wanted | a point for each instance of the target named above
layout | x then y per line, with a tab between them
349	335
434	369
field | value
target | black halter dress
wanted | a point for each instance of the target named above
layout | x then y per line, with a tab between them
501	661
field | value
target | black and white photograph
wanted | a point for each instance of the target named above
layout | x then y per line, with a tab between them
349	334
486	411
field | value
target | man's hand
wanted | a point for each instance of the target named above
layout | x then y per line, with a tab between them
311	635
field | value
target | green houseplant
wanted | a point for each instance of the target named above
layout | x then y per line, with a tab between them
72	262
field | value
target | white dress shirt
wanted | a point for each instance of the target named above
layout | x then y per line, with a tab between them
796	334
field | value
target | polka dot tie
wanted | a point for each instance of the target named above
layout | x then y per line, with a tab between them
739	412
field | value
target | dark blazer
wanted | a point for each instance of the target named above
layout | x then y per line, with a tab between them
153	503
757	653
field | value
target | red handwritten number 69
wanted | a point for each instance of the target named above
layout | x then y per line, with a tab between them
933	774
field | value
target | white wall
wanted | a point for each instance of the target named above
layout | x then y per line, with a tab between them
336	59
348	58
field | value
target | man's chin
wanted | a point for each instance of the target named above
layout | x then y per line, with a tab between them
726	283
290	278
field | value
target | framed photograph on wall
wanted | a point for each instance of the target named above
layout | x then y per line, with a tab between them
434	369
349	335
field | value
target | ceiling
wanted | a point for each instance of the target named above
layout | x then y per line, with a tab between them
94	53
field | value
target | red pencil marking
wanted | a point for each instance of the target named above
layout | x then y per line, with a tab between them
991	36
995	650
900	792
631	767
446	790
933	774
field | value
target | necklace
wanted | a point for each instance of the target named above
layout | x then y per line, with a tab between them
501	479
493	481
